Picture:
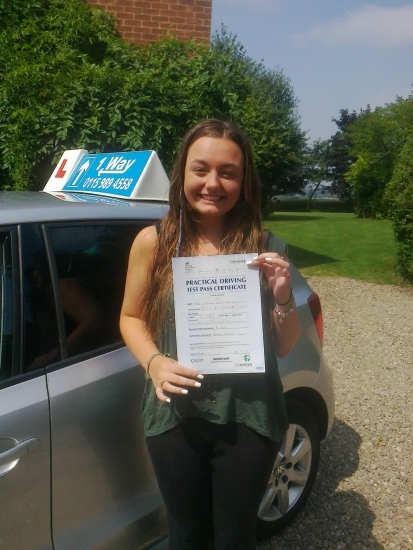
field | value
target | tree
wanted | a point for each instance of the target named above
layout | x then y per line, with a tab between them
377	138
67	80
338	155
52	83
264	101
399	197
316	169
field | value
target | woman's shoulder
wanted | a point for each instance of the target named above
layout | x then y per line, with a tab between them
272	243
145	241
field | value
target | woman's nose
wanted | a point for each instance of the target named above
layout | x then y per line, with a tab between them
212	181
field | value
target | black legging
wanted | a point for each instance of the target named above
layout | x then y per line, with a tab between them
212	477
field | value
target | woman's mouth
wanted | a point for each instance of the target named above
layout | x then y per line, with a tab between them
211	198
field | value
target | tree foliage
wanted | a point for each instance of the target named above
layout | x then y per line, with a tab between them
377	138
339	157
316	170
265	106
399	198
67	80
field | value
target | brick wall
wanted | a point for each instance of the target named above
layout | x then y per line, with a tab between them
145	20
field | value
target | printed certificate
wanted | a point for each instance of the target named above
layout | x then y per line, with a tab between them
218	314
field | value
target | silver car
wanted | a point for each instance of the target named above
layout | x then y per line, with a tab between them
74	469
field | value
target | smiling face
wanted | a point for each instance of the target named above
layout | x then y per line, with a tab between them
213	176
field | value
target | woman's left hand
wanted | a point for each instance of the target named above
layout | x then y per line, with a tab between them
277	272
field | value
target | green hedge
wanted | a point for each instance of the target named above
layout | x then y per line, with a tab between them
399	196
68	81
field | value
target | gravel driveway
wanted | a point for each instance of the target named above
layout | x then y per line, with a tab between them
363	496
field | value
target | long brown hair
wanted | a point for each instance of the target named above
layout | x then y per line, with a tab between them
179	231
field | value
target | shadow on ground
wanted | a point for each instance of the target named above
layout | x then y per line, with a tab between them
332	518
301	257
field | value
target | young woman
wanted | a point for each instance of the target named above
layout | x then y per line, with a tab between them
213	439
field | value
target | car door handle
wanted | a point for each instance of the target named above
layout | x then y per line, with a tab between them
21	449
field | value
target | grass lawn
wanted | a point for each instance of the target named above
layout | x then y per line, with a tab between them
338	245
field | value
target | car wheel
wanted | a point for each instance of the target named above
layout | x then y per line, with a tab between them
294	472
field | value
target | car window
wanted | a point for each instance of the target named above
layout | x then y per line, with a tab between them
6	306
91	262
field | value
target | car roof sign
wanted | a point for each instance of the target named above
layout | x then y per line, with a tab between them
136	175
64	168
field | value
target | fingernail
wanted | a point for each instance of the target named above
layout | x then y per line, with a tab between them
268	259
200	376
197	384
248	262
255	258
168	399
184	391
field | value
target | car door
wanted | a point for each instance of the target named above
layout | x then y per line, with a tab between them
104	493
24	408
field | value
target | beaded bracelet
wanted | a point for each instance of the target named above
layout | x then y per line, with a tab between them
149	361
284	314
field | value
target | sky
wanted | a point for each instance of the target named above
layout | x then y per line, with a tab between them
338	54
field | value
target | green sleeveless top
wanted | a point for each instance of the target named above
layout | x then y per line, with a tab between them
256	400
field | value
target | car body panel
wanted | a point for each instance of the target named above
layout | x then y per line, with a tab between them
304	369
25	484
104	492
324	385
26	206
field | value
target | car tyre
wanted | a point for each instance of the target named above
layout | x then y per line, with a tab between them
294	472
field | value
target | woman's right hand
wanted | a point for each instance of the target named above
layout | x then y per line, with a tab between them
170	377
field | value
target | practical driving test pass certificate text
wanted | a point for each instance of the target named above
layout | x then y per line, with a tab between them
218	314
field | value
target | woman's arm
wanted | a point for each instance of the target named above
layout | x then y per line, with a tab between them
277	272
165	373
287	327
